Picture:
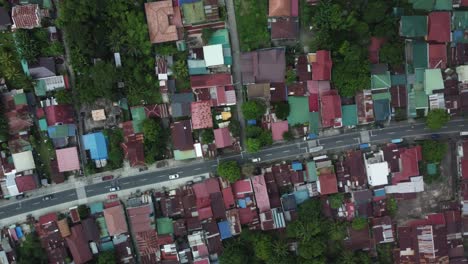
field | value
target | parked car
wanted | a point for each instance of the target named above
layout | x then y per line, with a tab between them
364	145
397	140
20	196
435	136
173	176
108	177
47	197
256	160
114	189
316	149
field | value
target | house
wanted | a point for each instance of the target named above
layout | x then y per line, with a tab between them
263	66
216	88
115	220
278	129
96	144
5	20
327	182
222	137
272	219
409	164
181	132
374	49
280	8
331	109
48	84
51	240
321	68
382	230
180	104
23	161
201	115
439	25
43	68
134	150
284	28
26	16
433	81
213	55
365	107
163	21
316	88
382	109
78	245
413	26
376	168
259	91
358	239
141	222
399	96
26	183
437	56
349	115
261	193
59	114
414	185
278	92
67	159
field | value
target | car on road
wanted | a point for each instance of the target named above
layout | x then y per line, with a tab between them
397	140
108	177
114	189
47	197
20	196
435	136
316	149
173	176
256	160
364	146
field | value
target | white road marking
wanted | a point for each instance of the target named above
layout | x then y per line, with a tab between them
286	151
90	190
339	141
17	208
214	165
408	130
162	176
269	154
461	125
125	183
391	133
108	186
36	203
197	169
144	179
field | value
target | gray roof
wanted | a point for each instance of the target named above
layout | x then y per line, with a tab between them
180	104
45	67
4	18
263	66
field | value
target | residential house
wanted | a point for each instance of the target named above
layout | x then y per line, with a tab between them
96	144
409	164
49	84
331	109
26	16
376	168
26	183
163	21
182	140
133	149
382	230
263	66
201	115
278	92
349	115
216	88
413	26
222	137
59	114
259	91
78	245
437	56
67	159
5	20
284	28
23	161
374	49
439	24
51	240
180	104
115	220
326	180
43	68
322	66
278	129
213	55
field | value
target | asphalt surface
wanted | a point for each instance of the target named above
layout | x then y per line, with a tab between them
292	150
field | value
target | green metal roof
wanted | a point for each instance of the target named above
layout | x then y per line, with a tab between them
165	226
431	168
350	117
40	88
443	5
20	99
193	12
413	26
380	81
43	124
422	4
97	207
103	232
420	57
433	80
299	110
459	20
381	96
421	99
314	122
138	116
220	36
398	79
184	155
311	171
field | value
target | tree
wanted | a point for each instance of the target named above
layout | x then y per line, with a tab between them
336	200
384	253
234	253
97	81
392	53
156	138
106	257
207	136
351	77
206	34
375	12
288	136
234	127
253	131
115	150
248	169
265	138
282	110
359	223
253	109
433	151
4	127
83	211
290	76
229	170
30	251
437	118
262	246
337	231
253	145
64	97
312	249
392	206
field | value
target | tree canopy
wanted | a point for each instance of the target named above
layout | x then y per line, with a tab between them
97	81
115	150
392	53
437	118
64	97
156	138
106	257
229	170
234	127
253	109
336	200
30	251
359	223
253	145
207	136
433	151
282	110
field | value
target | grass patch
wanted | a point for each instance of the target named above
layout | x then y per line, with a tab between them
252	26
45	151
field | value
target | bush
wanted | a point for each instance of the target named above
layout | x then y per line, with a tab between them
336	200
229	170
234	127
437	118
207	136
433	151
282	110
288	136
253	109
359	223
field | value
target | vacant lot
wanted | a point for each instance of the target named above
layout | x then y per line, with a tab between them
251	17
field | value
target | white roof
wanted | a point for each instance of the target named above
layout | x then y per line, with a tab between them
415	185
462	72
11	185
377	173
23	161
213	55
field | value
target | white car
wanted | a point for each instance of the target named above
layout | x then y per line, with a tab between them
114	189
173	176
256	159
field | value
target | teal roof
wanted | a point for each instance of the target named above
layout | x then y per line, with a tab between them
433	80
43	124
421	99
20	99
420	57
350	117
184	155
459	20
165	226
107	246
314	122
40	88
197	67
138	116
443	5
381	96
221	36
311	171
398	79
413	26
431	168
96	208
381	109
380	81
411	102
422	4
61	131
298	113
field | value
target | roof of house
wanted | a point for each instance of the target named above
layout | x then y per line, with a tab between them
311	171
43	68
350	117
217	205
399	96
201	115
61	131
138	116
297	115
258	90
374	48
96	144
279	8
26	16
23	161
241	187
321	69
193	11
439	25
139	218
91	230
278	129
213	55
67	159
377	173
25	183
410	158
380	81
134	152
261	193
115	220
433	80
180	104
328	183
59	114
413	26
284	28
382	109
438	56
158	17
222	137
331	109
278	92
182	138
78	245
4	17
420	54
263	66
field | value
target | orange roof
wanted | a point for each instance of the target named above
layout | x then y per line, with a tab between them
278	8
115	220
159	27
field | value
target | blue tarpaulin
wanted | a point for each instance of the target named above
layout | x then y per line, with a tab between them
224	230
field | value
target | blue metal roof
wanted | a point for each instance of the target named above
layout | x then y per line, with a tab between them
224	230
379	192
297	166
301	196
96	144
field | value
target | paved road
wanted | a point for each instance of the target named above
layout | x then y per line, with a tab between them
284	152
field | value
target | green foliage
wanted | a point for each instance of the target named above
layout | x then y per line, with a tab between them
359	223
64	97
253	131
437	118
392	206
392	53
266	138
433	151
349	78
337	231
375	12
288	136
181	74
229	170
166	49
385	253
141	85
290	76
253	109
387	29
251	18
106	257
4	128
30	251
282	110
234	127
155	139
311	250
253	145
97	81
83	211
336	200
27	47
115	150
234	253
10	66
54	49
207	136
206	34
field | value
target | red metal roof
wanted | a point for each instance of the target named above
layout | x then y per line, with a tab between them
285	28
134	151
201	115
74	215
438	56
25	183
409	164
374	49
210	80
321	70
50	217
464	168
247	215
205	213
222	137
182	138
399	96
328	183
436	219
331	108
439	27
278	129
115	220
261	194
228	198
279	93
202	195
26	16
59	114
78	245
242	187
